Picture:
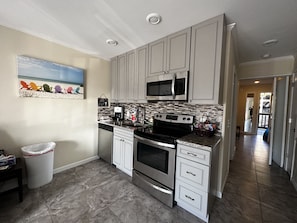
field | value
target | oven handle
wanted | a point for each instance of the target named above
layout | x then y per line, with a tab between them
152	142
163	190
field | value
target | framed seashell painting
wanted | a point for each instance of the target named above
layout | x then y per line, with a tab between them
44	79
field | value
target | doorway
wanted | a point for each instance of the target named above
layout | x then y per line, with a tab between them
253	107
249	119
264	114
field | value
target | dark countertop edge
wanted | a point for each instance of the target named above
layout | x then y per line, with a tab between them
195	141
126	127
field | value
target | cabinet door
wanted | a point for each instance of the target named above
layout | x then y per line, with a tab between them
117	151
206	60
157	57
127	157
178	51
131	81
141	72
122	77
114	79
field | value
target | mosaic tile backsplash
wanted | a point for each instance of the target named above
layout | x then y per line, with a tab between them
214	113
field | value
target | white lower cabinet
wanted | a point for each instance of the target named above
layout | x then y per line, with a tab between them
123	150
193	180
191	199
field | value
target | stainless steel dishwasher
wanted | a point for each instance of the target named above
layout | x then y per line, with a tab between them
105	138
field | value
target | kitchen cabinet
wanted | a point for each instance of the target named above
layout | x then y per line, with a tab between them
114	79
118	78
196	178
122	78
206	65
131	76
123	149
128	72
170	54
141	73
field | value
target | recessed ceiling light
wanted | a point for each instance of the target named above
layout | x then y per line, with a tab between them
270	42
153	18
112	42
266	55
257	82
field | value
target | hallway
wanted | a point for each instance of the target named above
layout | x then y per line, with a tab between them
255	191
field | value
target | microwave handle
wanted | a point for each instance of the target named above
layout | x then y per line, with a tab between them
173	85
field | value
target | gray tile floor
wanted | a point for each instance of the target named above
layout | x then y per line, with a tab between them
97	192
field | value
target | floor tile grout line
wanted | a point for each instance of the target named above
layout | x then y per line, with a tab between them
258	188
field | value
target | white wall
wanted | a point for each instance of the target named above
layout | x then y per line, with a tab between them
267	68
227	125
72	124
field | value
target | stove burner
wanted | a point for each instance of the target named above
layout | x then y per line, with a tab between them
167	128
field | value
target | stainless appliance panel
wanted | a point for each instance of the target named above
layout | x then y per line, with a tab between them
149	165
156	189
105	139
168	87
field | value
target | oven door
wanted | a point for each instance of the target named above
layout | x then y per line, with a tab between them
155	160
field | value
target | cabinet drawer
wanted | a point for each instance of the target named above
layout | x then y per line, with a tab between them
194	154
192	173
191	199
121	132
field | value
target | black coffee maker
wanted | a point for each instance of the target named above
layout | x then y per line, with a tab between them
118	113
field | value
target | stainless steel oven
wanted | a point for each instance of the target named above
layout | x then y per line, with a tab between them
167	87
155	155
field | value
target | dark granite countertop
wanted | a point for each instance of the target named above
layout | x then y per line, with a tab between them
123	125
194	140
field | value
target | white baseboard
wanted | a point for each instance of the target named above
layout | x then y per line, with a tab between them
78	163
219	194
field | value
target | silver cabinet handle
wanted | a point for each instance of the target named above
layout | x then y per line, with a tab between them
187	196
191	154
188	172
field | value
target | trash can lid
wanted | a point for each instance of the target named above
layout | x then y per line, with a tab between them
38	149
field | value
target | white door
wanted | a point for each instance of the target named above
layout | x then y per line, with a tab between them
290	136
279	117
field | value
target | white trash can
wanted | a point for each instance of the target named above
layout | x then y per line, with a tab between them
39	160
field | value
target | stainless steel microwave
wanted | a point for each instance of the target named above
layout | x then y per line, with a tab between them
167	87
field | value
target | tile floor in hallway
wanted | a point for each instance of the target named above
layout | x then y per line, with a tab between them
97	192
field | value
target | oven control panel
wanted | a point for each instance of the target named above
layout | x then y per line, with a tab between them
174	118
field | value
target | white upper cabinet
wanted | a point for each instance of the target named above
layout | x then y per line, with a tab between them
114	79
122	78
131	77
170	54
140	74
206	62
198	49
128	72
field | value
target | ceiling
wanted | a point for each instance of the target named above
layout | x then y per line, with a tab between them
86	25
251	81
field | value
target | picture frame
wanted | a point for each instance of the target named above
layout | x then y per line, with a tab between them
38	78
